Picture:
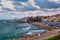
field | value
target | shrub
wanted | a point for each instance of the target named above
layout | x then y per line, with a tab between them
54	38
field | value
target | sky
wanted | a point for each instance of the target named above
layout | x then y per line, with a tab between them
11	9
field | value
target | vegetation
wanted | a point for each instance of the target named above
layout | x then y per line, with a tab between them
57	37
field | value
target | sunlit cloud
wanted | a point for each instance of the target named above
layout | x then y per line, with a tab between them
7	4
33	4
23	8
55	0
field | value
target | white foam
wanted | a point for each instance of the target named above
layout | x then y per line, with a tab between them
29	33
26	28
37	31
34	32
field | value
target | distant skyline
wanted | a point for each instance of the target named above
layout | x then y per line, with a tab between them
10	9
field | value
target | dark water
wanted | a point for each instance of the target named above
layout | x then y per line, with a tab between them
14	30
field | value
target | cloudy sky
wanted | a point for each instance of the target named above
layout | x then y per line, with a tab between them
10	9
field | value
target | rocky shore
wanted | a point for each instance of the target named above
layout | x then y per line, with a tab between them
52	31
39	36
40	25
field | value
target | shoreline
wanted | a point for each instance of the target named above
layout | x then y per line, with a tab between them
52	32
40	36
39	25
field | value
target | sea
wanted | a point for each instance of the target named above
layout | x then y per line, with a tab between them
10	30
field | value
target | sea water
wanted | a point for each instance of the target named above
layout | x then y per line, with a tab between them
15	30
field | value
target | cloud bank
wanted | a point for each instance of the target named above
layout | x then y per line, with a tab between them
22	8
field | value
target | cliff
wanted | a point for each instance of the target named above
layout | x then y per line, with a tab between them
54	18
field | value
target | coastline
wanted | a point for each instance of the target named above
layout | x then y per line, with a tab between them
40	36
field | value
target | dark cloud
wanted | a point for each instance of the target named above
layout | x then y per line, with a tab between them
7	9
41	3
0	0
17	4
21	8
1	5
26	8
47	4
46	10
